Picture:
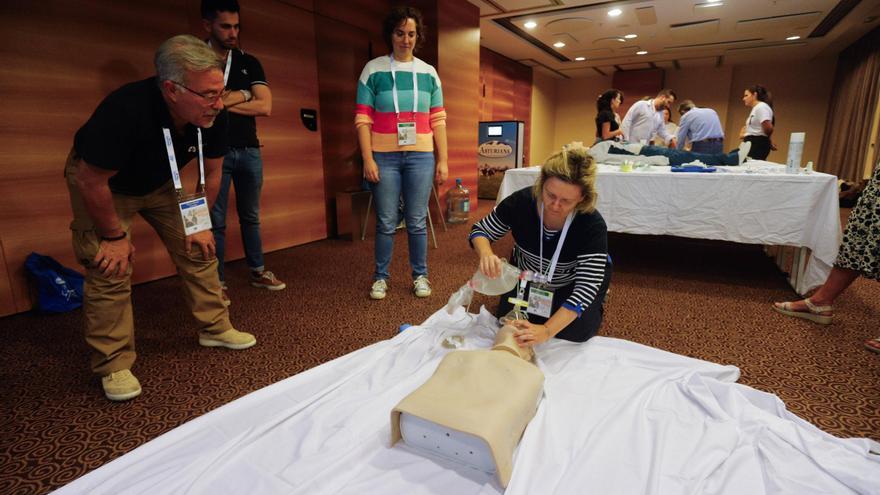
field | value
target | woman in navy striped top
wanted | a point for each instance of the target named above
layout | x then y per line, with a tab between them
561	205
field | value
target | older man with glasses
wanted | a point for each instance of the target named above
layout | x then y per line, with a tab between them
125	161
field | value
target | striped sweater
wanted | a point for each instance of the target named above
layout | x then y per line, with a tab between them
375	104
584	254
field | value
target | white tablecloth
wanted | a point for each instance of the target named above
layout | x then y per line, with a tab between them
767	206
616	418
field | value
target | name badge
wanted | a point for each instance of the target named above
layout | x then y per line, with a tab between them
540	302
195	215
406	133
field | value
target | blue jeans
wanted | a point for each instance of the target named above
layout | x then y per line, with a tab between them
242	167
711	147
680	157
411	174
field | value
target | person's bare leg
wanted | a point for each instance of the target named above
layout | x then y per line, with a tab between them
838	280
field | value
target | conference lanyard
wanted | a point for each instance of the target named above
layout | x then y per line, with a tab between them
194	211
228	65
394	87
555	258
172	161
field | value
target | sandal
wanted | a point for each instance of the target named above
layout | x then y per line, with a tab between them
813	313
873	344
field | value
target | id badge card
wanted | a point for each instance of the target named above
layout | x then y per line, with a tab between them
406	133
540	302
195	214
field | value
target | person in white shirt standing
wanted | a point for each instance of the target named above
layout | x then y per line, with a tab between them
645	118
759	125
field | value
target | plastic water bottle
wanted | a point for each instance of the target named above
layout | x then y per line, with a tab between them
459	203
795	151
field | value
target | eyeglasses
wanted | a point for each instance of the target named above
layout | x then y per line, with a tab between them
210	98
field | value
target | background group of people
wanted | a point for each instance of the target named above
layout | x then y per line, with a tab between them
649	120
701	129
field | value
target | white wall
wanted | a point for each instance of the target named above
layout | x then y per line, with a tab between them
543	114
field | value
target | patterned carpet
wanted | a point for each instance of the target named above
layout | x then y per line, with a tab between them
709	300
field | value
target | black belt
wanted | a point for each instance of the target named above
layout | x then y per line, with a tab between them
710	140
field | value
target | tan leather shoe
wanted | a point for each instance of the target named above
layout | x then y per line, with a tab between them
230	339
121	385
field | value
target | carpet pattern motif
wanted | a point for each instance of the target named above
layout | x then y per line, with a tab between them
704	299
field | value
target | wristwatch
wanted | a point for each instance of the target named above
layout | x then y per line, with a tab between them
248	96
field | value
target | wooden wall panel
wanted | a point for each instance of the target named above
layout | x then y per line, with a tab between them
63	57
343	50
283	39
637	84
367	15
7	301
506	92
458	42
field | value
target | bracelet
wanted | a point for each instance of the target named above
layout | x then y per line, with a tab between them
248	96
115	238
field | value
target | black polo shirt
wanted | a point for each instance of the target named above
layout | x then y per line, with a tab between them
245	72
125	134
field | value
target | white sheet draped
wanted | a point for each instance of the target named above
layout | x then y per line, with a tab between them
617	418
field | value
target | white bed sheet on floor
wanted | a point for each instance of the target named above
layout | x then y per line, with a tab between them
617	418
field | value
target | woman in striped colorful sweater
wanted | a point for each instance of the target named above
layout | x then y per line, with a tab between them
558	234
397	133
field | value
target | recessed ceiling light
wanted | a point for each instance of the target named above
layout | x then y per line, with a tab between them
642	52
708	4
792	38
614	12
559	44
530	24
580	59
631	36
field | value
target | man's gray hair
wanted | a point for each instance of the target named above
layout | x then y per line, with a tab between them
183	53
686	106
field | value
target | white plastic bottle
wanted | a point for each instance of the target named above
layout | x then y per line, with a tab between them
795	150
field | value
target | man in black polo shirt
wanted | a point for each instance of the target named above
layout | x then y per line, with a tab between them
124	162
248	97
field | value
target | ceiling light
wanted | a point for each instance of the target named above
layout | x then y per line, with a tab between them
792	38
621	40
708	4
530	24
631	36
614	12
642	52
580	59
559	44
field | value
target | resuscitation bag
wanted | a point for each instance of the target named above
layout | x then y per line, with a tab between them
484	285
59	289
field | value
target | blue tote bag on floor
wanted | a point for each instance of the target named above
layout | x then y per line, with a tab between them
59	289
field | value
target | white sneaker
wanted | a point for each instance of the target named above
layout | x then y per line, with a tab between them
378	290
421	286
744	148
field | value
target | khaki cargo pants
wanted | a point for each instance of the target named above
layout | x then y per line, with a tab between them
107	301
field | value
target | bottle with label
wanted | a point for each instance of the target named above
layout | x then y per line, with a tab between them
459	202
795	151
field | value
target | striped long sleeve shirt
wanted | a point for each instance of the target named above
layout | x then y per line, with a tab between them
582	261
375	103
